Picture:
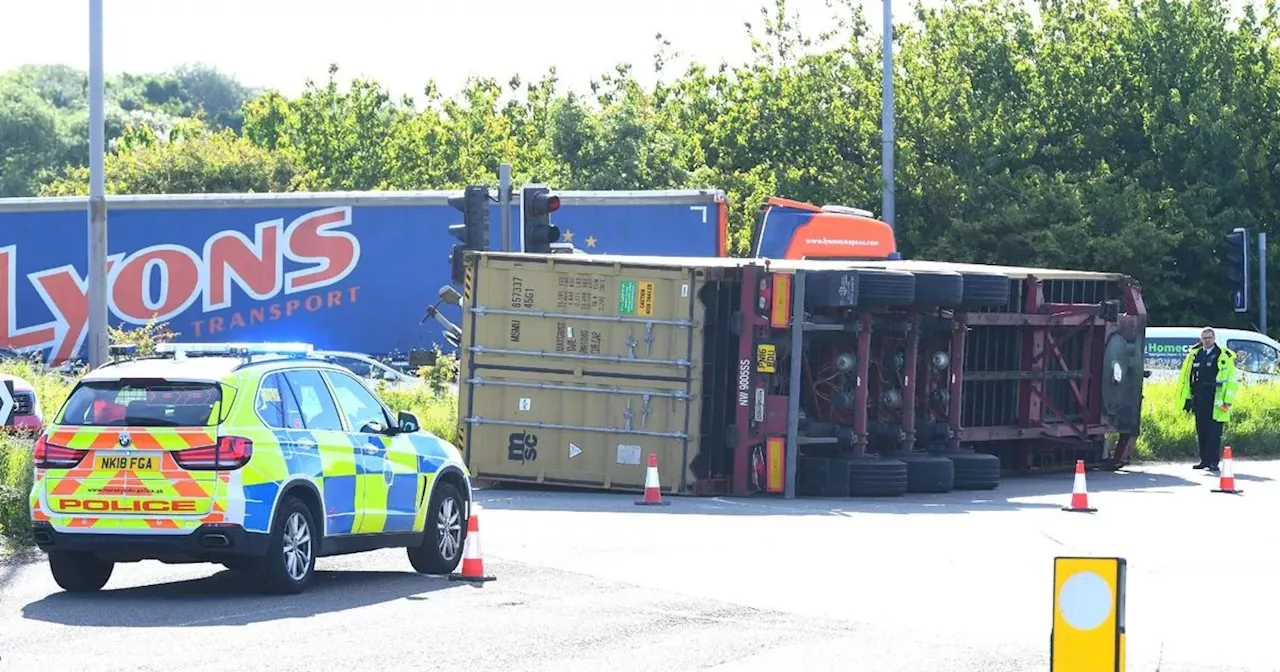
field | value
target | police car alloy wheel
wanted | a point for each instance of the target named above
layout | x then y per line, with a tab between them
297	546
449	526
440	548
290	562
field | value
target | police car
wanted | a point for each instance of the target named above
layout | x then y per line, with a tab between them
256	456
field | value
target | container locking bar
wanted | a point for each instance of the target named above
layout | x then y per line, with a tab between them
482	350
477	420
478	382
484	310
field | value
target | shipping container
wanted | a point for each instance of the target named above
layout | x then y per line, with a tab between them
344	271
902	376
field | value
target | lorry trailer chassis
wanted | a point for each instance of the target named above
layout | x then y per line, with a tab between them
915	377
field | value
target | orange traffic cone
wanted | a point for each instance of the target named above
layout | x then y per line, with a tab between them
1227	481
652	495
1079	493
472	559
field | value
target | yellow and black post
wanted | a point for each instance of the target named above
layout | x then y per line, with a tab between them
1088	615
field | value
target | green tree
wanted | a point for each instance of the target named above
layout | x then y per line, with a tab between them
193	159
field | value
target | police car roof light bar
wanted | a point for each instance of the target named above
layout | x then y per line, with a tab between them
235	349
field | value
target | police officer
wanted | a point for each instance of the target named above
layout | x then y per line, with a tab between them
1207	386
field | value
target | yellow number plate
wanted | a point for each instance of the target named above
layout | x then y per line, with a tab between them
127	462
766	358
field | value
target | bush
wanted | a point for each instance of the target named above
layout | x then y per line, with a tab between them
16	474
438	412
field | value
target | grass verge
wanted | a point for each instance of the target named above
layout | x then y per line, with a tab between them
1167	432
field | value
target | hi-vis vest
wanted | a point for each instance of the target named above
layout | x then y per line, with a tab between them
1224	392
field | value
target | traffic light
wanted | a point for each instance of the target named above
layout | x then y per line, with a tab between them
1238	267
536	205
473	232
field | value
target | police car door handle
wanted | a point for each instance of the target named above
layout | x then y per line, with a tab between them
306	443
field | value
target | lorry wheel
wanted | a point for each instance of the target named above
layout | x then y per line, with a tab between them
821	476
974	471
885	288
984	290
871	476
942	289
927	473
79	572
446	530
830	289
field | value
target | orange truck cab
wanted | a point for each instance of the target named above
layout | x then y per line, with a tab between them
790	229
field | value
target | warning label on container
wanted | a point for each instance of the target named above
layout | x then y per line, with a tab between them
627	298
645	300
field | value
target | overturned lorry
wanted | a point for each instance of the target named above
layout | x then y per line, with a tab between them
792	377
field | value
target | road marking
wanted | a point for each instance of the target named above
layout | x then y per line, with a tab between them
244	614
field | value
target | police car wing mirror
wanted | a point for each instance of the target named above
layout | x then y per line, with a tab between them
408	422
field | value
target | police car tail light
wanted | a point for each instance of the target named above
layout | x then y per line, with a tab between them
52	456
231	452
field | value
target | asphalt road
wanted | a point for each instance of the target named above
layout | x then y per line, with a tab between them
956	583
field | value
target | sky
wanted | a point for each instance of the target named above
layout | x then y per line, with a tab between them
401	43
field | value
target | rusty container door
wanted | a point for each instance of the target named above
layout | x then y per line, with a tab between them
573	371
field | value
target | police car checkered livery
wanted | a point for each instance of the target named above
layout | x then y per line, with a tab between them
257	457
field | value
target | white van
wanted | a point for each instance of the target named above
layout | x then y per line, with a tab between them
1257	355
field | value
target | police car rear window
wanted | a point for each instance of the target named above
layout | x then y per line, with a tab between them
142	403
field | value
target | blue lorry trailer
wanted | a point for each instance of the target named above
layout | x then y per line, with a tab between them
345	271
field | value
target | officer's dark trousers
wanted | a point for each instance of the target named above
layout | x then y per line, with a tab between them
1208	430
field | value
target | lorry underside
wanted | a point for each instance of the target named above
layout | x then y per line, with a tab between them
902	376
960	374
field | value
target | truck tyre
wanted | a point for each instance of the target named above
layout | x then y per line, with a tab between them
830	289
974	471
79	571
882	288
290	563
927	473
446	530
870	476
984	290
822	476
942	289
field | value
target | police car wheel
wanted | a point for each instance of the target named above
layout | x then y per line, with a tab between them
79	572
442	540
291	559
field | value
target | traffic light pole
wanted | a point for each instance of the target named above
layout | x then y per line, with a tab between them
1262	282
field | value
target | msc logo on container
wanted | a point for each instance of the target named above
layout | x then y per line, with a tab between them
522	447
